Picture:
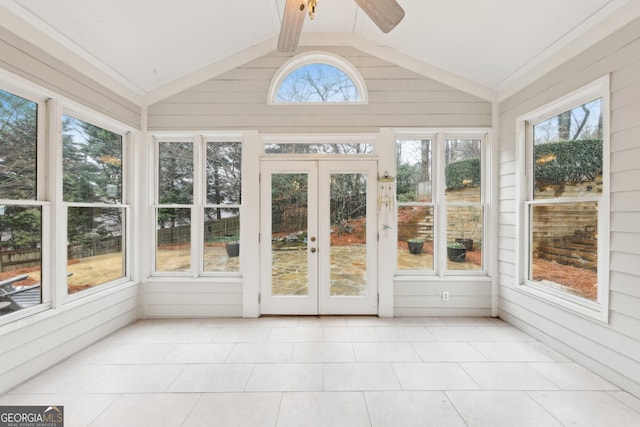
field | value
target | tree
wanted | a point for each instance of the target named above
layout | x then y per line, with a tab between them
19	226
581	122
92	173
18	147
317	83
224	174
348	194
175	182
413	177
92	163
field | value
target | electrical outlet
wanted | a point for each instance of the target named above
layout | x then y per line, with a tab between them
445	296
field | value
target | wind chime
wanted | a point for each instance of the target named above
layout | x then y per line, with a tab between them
386	199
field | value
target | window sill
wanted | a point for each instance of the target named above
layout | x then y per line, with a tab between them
592	310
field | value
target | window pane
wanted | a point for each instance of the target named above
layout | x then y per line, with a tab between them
568	153
173	240
223	173
464	237
20	257
462	170
95	246
415	238
564	247
18	139
317	83
92	163
176	173
327	148
221	239
413	181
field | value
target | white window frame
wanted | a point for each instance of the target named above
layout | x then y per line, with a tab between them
598	309
49	197
204	205
438	138
41	199
82	113
199	202
317	57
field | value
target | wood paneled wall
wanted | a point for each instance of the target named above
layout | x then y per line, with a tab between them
238	99
613	349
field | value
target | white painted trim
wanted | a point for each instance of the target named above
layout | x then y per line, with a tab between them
493	210
598	310
388	237
317	57
620	13
317	137
80	112
438	136
58	234
250	226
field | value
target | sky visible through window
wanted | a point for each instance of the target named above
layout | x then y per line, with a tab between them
317	82
581	122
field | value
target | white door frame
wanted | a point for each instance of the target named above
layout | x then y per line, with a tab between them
319	300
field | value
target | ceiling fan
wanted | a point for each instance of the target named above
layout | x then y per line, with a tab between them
386	14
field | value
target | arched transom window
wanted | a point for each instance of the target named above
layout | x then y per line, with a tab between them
317	77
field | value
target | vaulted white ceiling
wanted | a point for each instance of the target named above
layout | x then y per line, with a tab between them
148	44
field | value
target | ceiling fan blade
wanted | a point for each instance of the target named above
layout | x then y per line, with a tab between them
386	14
294	13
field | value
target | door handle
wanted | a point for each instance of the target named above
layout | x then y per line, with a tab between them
313	250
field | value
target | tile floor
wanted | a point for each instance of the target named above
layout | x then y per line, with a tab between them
327	371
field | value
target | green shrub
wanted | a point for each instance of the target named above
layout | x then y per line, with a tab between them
568	161
463	173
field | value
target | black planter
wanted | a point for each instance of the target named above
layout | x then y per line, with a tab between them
415	248
467	243
233	249
456	254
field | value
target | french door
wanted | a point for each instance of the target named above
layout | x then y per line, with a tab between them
318	237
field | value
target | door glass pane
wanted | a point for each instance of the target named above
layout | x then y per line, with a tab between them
289	206
348	208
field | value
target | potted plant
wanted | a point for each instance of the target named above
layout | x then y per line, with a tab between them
465	225
232	245
456	252
415	245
